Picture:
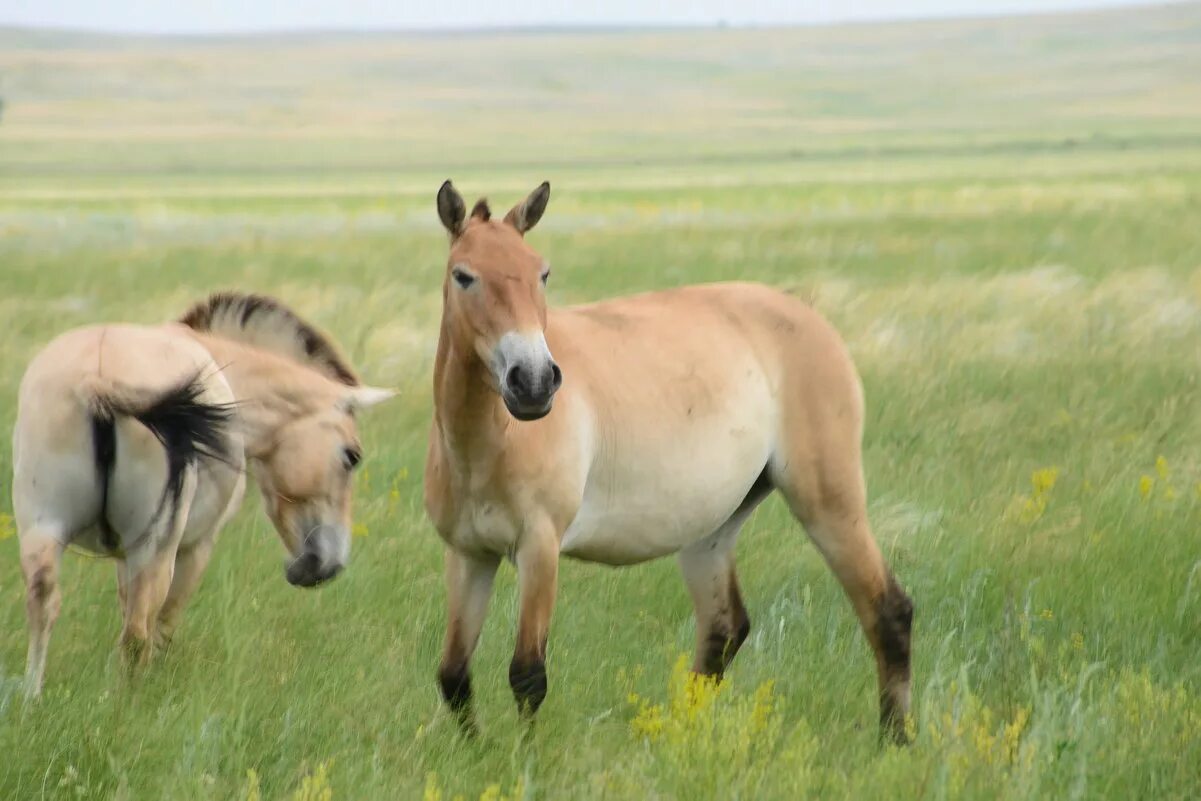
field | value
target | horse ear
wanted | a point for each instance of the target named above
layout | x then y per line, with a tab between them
363	397
451	209
526	214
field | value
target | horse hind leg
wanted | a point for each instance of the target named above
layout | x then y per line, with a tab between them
831	505
722	622
41	554
149	571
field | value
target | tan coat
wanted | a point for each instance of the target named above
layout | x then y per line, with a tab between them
132	442
636	428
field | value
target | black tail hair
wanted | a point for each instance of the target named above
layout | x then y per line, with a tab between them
189	429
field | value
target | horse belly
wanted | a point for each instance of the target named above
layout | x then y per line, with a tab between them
661	487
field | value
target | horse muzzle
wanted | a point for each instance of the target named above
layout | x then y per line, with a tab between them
526	374
316	563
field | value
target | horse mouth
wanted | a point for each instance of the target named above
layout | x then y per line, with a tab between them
308	571
528	413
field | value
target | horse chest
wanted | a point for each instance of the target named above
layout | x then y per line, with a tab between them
484	525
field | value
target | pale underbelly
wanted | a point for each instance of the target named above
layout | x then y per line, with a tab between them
668	494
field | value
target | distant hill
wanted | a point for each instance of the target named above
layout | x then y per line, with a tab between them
389	99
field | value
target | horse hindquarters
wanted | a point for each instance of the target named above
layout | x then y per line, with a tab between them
817	467
114	473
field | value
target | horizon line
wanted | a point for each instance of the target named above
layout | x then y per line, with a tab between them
1102	7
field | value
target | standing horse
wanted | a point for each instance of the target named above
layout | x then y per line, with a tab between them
674	415
131	442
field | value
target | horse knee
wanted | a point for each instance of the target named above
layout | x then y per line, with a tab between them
528	680
42	596
40	584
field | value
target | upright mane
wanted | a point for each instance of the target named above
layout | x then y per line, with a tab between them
266	323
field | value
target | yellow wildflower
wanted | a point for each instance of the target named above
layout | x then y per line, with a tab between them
1047	614
1029	508
315	786
7	529
1146	485
1012	736
1044	480
253	790
1161	467
432	791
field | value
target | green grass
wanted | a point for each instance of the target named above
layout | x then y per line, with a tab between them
1017	270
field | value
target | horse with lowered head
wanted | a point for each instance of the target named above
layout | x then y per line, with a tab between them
631	429
132	442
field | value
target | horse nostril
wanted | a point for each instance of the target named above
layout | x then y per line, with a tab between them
556	376
515	379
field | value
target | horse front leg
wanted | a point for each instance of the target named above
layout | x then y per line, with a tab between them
469	580
537	573
147	582
189	568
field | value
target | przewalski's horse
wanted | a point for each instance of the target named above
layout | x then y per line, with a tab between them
674	415
131	442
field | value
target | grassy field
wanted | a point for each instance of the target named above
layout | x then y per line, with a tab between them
1004	220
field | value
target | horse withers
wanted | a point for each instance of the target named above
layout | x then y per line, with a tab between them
631	429
132	442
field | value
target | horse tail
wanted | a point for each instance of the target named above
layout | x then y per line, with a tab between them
189	429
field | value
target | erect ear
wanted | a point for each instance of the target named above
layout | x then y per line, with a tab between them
451	209
357	398
526	214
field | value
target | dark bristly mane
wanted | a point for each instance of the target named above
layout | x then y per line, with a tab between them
266	323
480	210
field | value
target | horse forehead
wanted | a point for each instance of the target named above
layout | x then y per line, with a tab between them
493	246
337	424
343	424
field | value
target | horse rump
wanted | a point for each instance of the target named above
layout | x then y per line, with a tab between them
190	430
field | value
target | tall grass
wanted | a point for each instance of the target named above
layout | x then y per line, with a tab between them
1026	321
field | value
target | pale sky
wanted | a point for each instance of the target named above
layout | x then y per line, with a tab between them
204	16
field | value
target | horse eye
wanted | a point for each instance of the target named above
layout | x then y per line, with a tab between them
352	457
462	278
545	276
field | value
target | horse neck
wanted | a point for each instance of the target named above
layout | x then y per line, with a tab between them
270	390
470	415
